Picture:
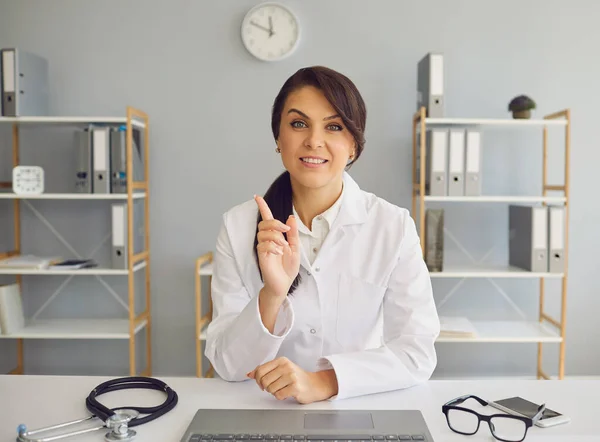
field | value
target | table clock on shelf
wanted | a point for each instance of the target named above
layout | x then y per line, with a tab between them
28	180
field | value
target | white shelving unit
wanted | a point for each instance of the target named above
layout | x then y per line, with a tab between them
75	328
546	329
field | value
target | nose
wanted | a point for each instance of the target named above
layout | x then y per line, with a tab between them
314	139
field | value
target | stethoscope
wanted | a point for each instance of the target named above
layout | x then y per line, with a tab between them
118	420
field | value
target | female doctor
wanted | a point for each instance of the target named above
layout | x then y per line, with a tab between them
319	288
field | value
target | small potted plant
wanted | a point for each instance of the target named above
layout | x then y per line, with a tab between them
521	106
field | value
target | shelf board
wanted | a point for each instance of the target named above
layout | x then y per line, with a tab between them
508	332
490	272
91	271
72	196
70	120
496	199
206	270
75	329
493	122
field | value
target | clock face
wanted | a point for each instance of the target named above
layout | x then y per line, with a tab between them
28	180
270	31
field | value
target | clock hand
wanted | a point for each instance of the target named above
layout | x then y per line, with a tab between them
261	27
270	27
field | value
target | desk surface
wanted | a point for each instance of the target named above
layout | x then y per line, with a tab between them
39	401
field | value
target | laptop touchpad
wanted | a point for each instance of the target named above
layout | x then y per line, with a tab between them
334	421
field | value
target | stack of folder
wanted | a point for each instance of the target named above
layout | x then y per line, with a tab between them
536	238
101	159
452	162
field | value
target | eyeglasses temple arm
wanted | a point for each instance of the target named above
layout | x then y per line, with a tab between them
539	413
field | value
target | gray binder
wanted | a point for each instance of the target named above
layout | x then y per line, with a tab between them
556	239
118	154
101	150
473	163
119	259
430	84
24	84
456	163
436	153
528	237
434	239
118	161
84	171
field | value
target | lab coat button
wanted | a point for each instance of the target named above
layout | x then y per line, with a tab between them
313	331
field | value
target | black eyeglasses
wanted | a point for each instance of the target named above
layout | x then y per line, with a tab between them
504	427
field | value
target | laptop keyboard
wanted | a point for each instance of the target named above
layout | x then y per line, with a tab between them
305	438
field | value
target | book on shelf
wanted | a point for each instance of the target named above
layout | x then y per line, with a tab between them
71	264
456	327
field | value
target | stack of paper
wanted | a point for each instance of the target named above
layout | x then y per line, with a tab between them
28	262
456	327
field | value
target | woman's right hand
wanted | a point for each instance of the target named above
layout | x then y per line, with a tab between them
279	259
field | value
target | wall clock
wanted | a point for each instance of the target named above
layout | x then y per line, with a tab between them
270	31
28	180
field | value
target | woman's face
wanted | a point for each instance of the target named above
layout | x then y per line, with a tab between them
315	145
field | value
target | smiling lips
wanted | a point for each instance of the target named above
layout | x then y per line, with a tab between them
313	162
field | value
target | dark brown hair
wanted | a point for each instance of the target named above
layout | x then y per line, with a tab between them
345	98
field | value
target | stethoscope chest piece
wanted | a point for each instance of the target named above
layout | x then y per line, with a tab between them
119	431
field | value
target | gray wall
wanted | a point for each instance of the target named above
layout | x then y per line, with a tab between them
211	147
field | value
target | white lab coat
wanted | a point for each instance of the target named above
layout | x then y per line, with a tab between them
364	308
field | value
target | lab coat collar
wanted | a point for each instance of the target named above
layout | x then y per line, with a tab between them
353	209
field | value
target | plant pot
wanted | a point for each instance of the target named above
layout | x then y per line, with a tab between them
524	114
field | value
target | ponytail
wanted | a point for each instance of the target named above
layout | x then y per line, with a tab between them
279	199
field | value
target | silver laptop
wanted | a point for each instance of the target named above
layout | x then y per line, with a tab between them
295	425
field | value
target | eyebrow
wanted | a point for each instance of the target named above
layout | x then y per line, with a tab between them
308	118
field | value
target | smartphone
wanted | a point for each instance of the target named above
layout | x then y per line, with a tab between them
521	407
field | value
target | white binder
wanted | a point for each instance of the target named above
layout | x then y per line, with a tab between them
101	150
456	163
120	243
119	236
436	162
12	318
430	84
556	239
473	163
24	86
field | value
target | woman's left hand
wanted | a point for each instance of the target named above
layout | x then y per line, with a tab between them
283	379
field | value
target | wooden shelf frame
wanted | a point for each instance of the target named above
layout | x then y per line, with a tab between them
135	118
202	268
561	119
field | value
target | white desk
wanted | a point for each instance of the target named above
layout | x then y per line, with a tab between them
39	401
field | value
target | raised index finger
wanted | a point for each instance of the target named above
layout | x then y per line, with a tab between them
265	212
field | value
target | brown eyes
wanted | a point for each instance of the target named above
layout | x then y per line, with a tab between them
301	124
